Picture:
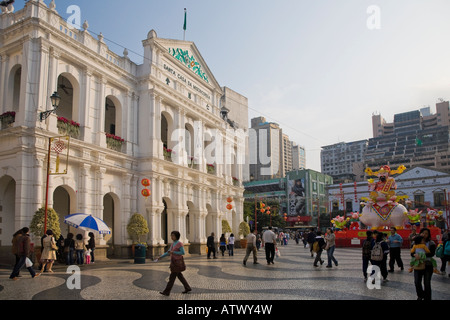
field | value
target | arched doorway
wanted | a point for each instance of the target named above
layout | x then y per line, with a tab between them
61	204
164	224
110	205
7	210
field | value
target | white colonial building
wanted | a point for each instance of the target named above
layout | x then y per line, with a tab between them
167	120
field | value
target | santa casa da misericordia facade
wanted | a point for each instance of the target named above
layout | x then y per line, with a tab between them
167	120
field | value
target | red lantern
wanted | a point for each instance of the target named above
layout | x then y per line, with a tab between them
145	182
268	212
262	210
146	193
229	206
229	199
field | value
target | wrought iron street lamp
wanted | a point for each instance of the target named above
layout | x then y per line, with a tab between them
55	99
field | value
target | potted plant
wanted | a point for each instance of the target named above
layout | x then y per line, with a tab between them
210	168
226	226
244	230
136	228
69	127
168	154
114	142
37	227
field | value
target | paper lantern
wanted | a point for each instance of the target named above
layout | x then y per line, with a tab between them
229	199
262	210
229	206
145	182
146	193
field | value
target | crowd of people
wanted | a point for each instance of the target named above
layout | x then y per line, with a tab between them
69	251
376	249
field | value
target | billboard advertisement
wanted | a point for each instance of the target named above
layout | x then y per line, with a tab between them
297	197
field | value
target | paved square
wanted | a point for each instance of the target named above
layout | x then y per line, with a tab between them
292	277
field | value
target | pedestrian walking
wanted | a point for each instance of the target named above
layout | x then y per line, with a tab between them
395	242
258	241
379	254
269	239
210	244
366	250
411	236
445	258
223	244
91	246
48	255
231	240
318	247
177	265
15	247
251	248
69	248
424	276
80	247
311	238
24	250
330	239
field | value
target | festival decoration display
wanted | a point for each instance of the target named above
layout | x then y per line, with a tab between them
354	221
432	214
229	205
382	209
413	217
145	192
340	222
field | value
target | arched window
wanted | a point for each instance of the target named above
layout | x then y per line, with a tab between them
66	92
110	117
17	76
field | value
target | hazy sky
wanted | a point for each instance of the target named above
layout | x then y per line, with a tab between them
313	66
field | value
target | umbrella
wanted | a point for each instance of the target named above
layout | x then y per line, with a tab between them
87	221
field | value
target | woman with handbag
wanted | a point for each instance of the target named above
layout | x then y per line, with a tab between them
49	249
177	265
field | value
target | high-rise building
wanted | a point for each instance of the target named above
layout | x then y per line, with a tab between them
414	138
338	160
298	157
266	146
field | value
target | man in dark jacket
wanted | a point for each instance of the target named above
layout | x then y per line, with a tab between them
24	250
211	246
311	239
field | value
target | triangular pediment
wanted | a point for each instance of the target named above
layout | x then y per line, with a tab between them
189	58
419	173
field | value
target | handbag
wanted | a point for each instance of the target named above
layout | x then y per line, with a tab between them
28	263
177	261
54	246
177	264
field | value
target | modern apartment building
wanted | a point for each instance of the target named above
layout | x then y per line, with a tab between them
414	138
338	160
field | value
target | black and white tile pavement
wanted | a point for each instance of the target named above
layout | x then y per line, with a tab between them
292	277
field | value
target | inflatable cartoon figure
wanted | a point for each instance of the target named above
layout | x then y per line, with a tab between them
413	217
340	223
381	209
431	216
354	221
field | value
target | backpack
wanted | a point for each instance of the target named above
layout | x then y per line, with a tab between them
316	247
366	248
377	252
440	251
447	248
